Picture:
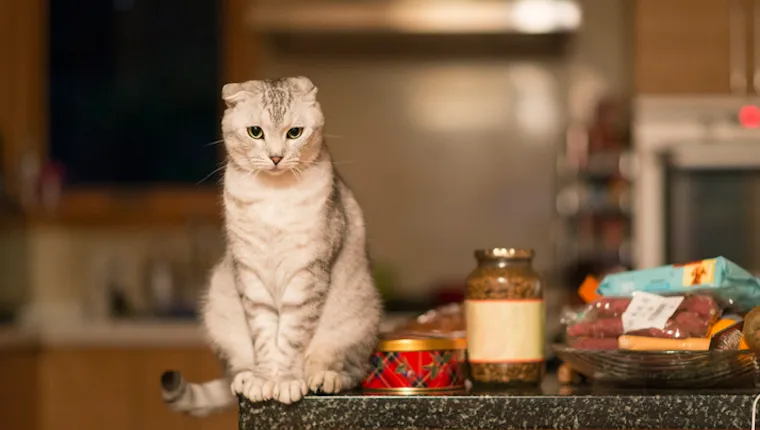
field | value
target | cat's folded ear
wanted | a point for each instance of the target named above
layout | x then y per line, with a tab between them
232	93
305	86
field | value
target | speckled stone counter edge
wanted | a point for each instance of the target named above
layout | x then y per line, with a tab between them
684	411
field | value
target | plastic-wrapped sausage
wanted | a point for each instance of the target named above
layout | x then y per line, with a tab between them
602	327
704	306
603	319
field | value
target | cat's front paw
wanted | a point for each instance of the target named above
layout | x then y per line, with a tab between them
326	381
252	386
290	391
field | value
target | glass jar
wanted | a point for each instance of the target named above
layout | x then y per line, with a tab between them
504	310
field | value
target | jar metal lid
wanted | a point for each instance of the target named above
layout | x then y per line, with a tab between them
504	254
419	343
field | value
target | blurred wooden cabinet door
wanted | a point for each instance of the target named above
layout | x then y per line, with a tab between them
684	47
86	389
102	388
19	409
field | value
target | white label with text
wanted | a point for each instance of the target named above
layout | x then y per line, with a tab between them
648	310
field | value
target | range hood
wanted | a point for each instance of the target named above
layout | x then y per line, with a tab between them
422	17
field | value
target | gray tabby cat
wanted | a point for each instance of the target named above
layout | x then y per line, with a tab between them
292	306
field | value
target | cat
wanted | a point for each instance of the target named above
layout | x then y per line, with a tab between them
292	306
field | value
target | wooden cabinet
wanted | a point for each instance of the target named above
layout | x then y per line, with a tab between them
88	388
695	46
97	388
19	408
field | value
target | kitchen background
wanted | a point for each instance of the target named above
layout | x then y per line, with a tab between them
460	125
450	149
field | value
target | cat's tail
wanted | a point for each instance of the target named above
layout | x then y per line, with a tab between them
197	400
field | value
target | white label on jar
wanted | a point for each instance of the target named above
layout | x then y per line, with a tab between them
648	310
505	331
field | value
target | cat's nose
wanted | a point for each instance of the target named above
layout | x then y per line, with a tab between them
275	159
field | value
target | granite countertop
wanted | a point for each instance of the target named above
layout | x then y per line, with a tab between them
550	407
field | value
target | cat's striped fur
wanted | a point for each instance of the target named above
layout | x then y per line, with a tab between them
292	306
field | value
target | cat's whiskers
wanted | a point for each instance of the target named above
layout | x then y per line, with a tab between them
254	172
335	163
298	173
212	173
216	142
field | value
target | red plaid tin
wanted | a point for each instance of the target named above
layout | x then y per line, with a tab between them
414	365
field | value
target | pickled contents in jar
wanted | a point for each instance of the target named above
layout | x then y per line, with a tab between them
505	319
500	283
508	373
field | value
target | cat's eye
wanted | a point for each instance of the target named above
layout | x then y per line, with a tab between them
256	132
295	132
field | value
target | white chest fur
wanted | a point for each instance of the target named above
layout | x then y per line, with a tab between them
276	231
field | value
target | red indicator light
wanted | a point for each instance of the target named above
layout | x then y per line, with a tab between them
749	116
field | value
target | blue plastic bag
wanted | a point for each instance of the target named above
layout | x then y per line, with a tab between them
732	286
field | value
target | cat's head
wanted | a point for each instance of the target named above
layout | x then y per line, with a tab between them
272	125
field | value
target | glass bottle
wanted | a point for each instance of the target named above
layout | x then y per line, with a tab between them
504	310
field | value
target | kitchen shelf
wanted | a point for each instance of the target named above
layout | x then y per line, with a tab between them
596	170
107	206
